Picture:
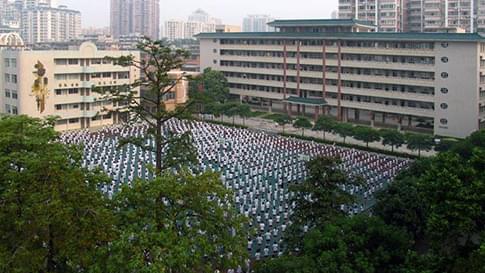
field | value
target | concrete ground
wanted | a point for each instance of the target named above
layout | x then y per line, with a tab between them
271	126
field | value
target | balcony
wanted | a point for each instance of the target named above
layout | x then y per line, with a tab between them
392	109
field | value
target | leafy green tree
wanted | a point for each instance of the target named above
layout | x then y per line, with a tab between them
244	111
177	223
455	191
393	138
302	123
325	124
360	244
366	134
402	203
212	85
52	217
419	142
231	110
465	147
319	198
157	60
287	264
344	130
282	120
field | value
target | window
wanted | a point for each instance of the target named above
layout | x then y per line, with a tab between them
444	45
444	59
444	90
215	50
15	111
14	78
7	77
215	40
14	95
444	75
215	61
74	120
443	121
7	62
73	61
444	106
13	62
7	93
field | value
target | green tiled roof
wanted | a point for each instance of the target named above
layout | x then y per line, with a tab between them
306	101
389	36
320	22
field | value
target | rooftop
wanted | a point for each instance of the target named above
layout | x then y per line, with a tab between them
401	36
320	22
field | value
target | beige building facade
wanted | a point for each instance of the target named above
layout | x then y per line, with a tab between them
429	82
42	83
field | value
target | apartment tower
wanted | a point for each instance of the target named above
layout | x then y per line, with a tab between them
135	16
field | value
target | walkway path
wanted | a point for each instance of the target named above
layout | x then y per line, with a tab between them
271	126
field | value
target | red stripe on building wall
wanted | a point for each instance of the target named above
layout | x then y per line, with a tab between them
285	68
339	83
298	68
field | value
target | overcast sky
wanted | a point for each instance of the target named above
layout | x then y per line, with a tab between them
96	12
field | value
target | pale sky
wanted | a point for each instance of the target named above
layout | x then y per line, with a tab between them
96	12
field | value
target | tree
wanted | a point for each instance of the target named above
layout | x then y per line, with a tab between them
393	138
52	216
344	130
287	264
282	120
366	134
177	223
302	123
402	203
325	124
454	188
212	84
352	245
319	198
157	60
357	244
465	147
231	110
244	112
419	142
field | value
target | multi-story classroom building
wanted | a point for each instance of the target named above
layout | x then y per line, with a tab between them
42	83
432	82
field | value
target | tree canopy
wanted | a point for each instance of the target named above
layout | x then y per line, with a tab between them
157	60
302	123
52	216
182	223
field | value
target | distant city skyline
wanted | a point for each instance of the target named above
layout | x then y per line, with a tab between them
95	13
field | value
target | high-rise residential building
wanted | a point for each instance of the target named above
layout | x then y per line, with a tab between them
46	24
10	16
135	17
257	23
174	29
199	16
42	83
178	29
203	17
387	15
417	15
412	81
